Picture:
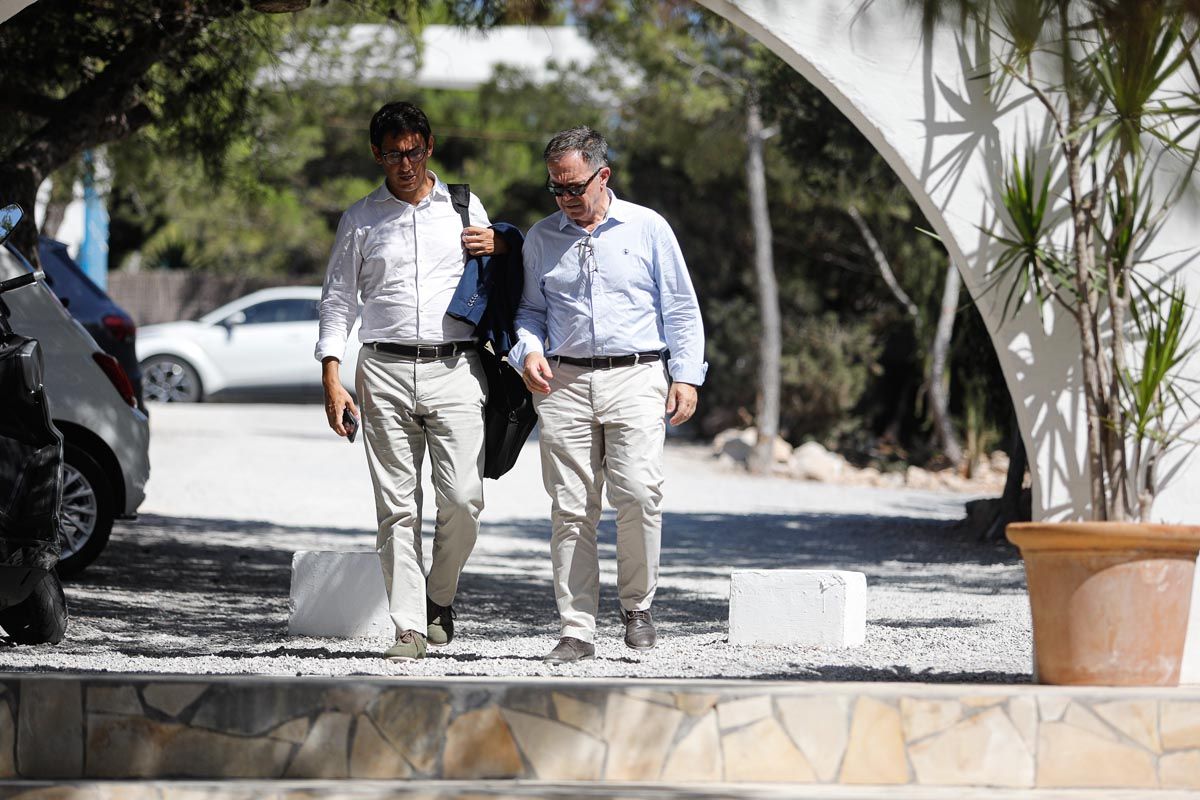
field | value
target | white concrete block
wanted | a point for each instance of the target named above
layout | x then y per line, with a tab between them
338	594
811	607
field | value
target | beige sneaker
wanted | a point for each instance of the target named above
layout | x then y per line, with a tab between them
440	629
409	647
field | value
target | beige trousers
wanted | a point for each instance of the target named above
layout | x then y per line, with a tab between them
601	426
408	406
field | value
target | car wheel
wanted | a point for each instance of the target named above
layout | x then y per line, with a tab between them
168	379
40	618
86	516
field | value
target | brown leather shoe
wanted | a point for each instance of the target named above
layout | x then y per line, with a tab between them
639	629
570	649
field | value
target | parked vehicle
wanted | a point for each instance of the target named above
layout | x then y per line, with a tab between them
91	400
263	341
33	608
112	328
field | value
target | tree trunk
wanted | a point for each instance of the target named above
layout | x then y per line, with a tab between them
938	380
770	343
61	195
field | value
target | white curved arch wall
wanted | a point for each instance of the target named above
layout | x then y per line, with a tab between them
913	100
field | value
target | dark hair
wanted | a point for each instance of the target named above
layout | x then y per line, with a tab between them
583	140
397	118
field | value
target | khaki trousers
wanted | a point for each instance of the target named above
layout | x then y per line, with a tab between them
408	406
601	426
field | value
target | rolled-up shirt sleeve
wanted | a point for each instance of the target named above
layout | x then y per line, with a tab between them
530	322
339	295
683	329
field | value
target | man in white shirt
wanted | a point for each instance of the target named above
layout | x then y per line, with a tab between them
607	297
419	382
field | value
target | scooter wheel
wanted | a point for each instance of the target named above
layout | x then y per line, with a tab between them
40	618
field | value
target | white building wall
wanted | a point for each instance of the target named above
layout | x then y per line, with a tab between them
912	98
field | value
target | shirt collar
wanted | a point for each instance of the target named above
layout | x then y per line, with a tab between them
615	212
440	190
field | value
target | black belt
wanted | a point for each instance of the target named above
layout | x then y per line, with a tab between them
608	362
432	351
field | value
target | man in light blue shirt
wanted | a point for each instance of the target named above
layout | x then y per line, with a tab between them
607	297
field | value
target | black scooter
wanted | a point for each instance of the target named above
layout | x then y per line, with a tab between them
33	608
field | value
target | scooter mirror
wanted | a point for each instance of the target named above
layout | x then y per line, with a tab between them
10	215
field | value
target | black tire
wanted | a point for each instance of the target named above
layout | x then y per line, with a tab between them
40	618
87	511
170	379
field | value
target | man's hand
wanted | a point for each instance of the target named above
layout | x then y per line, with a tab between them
337	398
537	373
681	402
483	242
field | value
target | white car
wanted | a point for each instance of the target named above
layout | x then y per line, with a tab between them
263	341
106	439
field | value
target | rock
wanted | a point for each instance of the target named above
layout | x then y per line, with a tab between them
739	444
810	461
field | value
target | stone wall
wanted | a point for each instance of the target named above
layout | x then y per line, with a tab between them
153	296
141	727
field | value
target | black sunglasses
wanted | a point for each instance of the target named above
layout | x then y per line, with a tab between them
575	191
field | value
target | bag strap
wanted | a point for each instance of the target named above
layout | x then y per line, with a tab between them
460	197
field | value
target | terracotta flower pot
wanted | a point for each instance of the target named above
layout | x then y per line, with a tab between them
1110	600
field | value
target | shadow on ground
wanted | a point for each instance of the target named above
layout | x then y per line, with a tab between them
184	587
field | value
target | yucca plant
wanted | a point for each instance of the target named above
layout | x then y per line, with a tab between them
1080	203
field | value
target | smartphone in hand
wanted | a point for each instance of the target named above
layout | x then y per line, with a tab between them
350	423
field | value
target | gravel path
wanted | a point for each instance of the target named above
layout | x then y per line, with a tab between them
199	583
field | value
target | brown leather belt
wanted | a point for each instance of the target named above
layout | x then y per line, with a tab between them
608	362
420	351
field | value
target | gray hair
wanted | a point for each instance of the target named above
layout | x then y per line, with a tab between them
583	140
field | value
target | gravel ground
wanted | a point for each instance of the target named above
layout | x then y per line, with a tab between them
199	583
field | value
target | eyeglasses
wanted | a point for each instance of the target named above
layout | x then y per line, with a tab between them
396	156
575	191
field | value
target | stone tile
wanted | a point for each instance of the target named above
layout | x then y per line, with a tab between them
1179	724
924	717
1073	757
371	756
530	701
639	735
172	698
479	744
984	750
697	756
1180	770
875	753
983	700
352	699
50	728
580	714
113	700
743	711
764	752
1052	707
820	727
695	704
414	721
8	742
252	709
1023	712
556	751
1137	719
325	752
652	696
135	747
294	731
1080	717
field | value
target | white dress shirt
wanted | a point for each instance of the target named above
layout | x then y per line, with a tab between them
405	262
622	289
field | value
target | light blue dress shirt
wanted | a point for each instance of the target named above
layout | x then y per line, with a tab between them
622	289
